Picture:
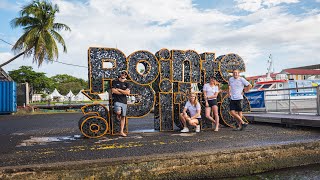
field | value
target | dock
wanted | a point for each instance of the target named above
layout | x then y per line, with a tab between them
285	119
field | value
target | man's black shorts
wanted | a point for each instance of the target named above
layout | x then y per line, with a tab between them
236	105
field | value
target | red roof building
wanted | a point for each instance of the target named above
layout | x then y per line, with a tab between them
299	73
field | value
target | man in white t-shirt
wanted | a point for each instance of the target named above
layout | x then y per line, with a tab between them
236	86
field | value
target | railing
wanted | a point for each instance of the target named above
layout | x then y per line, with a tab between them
293	100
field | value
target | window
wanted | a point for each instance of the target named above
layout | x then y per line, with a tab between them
257	86
266	86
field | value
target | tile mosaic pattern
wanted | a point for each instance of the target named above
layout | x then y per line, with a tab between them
163	86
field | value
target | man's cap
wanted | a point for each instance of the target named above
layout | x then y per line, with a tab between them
123	72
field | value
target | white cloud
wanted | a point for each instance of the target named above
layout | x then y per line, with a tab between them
5	55
254	5
271	3
249	5
133	25
293	40
151	25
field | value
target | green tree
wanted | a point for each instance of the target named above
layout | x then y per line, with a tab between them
38	81
64	83
63	78
224	86
40	32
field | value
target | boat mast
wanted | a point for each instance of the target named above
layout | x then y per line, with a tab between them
269	68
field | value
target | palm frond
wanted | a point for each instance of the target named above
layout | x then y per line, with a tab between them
51	46
39	50
23	21
60	26
19	45
59	38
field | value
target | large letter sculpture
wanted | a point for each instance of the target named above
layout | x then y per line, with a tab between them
164	84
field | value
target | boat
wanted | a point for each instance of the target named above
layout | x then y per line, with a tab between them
283	95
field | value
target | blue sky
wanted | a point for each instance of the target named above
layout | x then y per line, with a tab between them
253	29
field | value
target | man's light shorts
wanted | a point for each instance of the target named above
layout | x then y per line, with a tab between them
120	107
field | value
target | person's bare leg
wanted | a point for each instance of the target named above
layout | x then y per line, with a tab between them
238	118
183	120
216	117
118	114
195	123
122	123
208	116
240	115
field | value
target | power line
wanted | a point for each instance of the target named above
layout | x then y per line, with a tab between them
6	42
53	61
70	64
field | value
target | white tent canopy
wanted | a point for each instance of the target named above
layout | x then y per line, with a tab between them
55	95
104	96
81	97
69	97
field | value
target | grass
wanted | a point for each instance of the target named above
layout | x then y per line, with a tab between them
28	111
59	103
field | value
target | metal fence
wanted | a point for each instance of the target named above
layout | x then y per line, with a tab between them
293	100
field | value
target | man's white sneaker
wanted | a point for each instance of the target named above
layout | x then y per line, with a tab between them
198	128
185	129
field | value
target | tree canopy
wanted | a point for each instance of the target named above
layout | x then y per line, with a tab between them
64	83
40	83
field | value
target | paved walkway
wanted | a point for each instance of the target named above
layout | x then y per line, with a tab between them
28	141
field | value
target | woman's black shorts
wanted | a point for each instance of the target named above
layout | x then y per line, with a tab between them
212	102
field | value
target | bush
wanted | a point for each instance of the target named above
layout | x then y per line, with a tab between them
24	110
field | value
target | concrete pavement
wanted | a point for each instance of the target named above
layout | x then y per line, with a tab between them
50	146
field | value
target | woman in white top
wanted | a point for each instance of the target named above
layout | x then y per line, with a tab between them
194	108
210	93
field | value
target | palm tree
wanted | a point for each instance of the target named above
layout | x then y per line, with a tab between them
40	32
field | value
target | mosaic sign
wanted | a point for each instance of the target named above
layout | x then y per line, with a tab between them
160	82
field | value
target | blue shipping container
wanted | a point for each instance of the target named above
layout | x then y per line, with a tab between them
8	97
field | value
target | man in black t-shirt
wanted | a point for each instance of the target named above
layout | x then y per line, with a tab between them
120	90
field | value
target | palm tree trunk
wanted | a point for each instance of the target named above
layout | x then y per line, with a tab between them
12	59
